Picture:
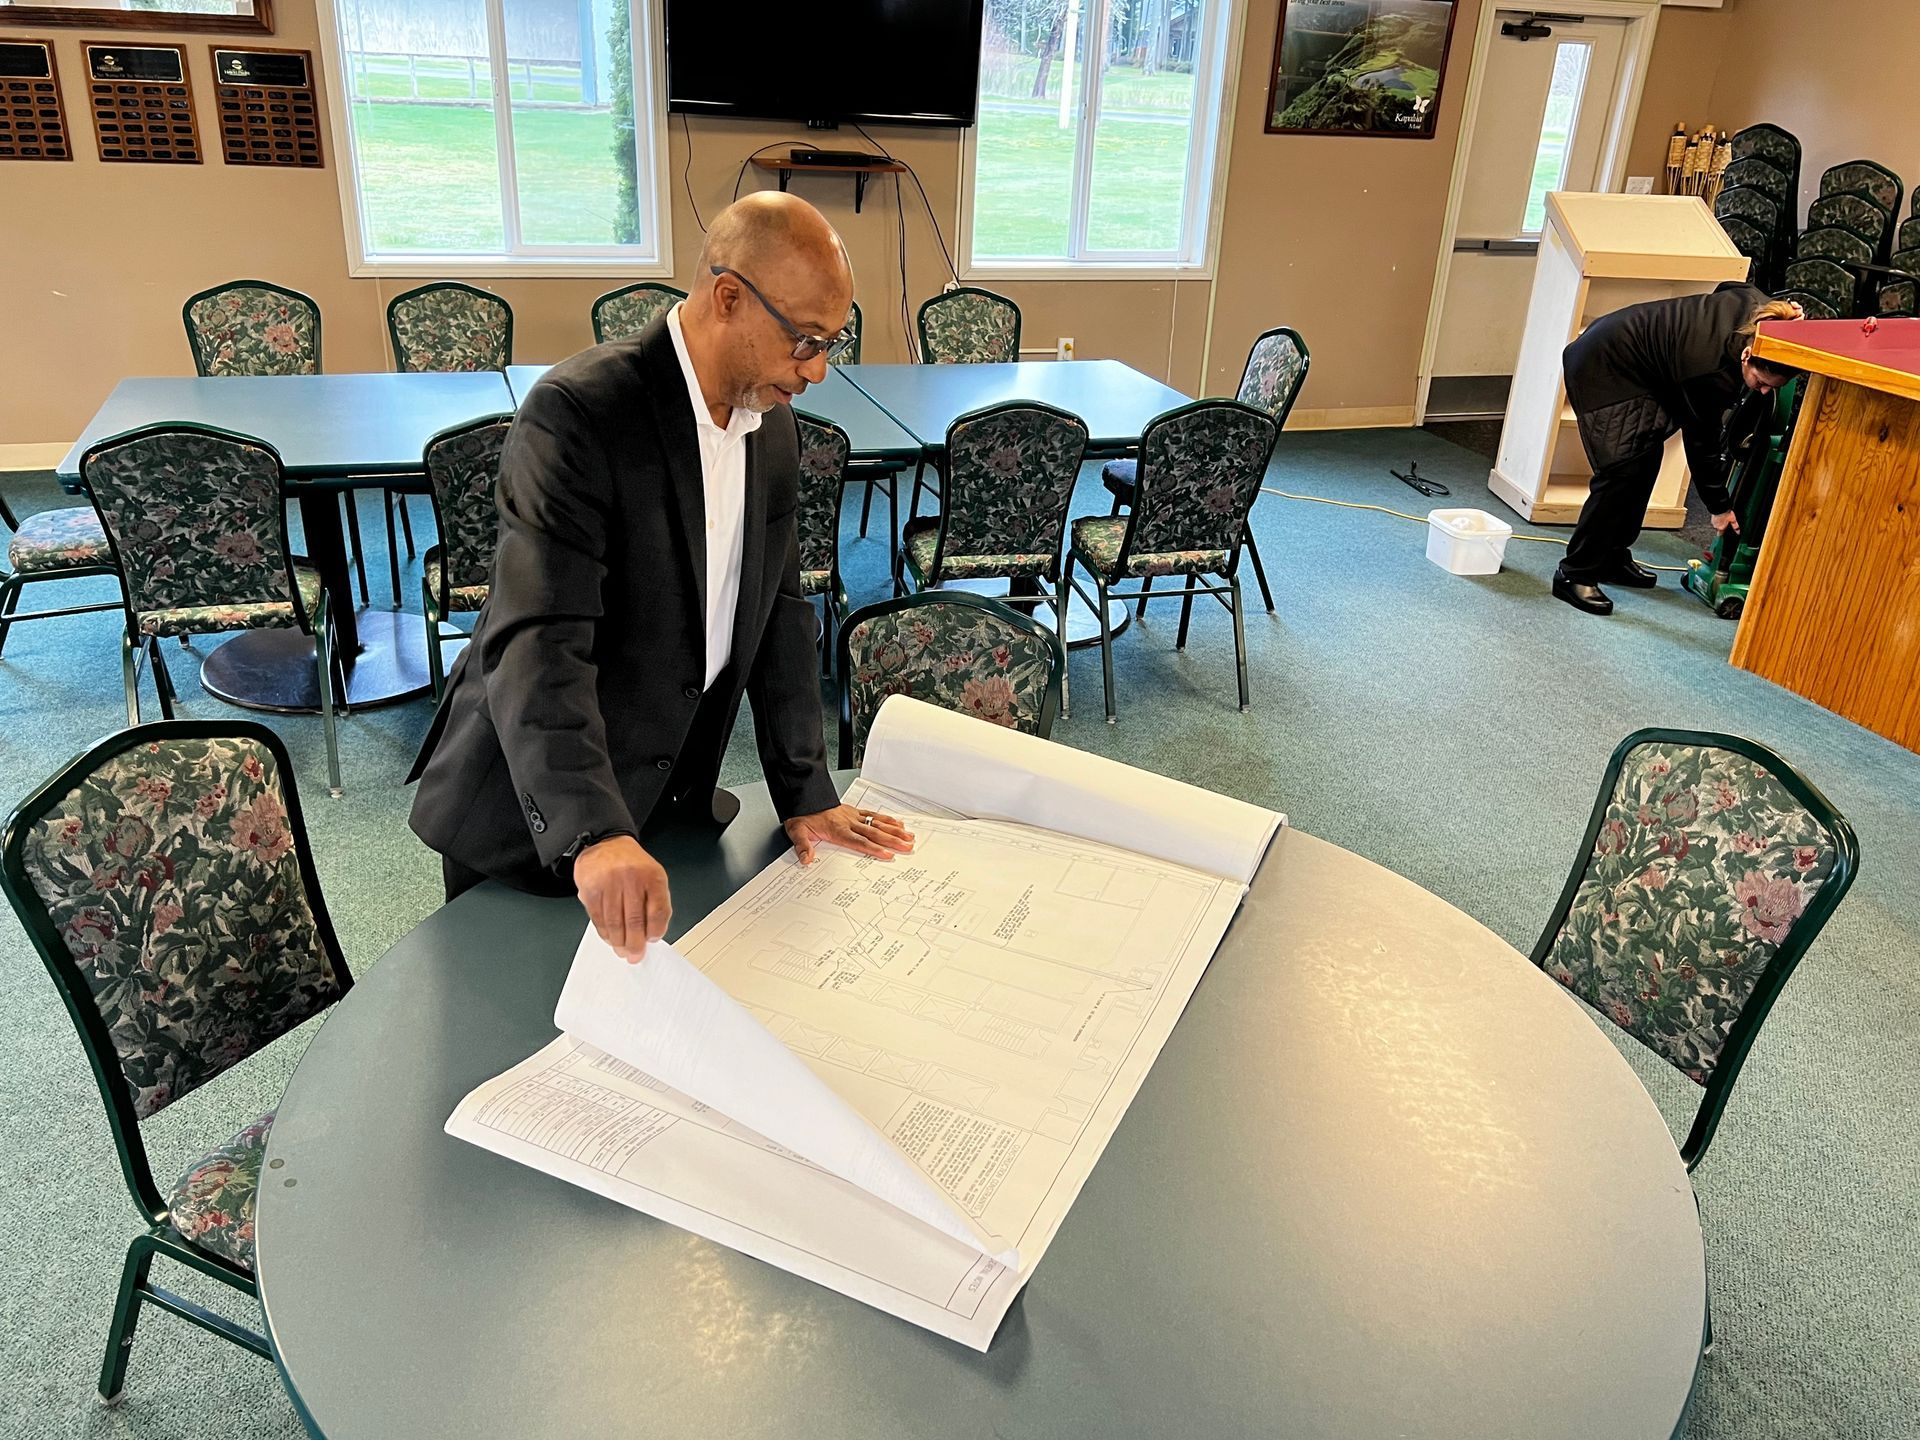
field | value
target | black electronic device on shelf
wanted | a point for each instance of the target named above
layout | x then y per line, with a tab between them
808	155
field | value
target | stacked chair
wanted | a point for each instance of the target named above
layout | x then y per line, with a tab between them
1759	188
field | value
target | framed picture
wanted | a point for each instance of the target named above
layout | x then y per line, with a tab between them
143	14
1359	67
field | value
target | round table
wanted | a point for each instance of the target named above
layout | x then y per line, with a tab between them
1385	1179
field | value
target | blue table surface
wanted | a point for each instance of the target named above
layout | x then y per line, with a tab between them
874	433
1115	400
322	425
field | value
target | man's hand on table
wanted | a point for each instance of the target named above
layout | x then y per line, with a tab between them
625	892
866	832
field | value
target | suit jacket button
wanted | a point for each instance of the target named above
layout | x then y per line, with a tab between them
692	692
539	826
663	765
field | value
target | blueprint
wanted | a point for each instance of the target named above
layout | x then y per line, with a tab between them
893	1077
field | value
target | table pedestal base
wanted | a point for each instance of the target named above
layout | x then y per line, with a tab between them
274	670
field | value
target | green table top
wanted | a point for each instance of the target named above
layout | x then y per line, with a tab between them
1386	1178
1115	400
873	432
324	426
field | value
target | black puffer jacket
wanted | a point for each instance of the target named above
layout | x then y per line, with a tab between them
1637	375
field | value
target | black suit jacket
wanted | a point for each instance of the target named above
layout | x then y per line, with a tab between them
576	700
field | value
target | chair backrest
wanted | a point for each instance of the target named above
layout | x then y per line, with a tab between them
1832	283
621	314
849	352
1757	172
1866	175
1855	211
195	517
1199	473
1276	369
1779	148
1749	203
1833	243
1708	866
1812	305
253	327
463	467
1907	237
959	651
824	449
450	326
1008	482
1897	300
164	877
1748	238
968	326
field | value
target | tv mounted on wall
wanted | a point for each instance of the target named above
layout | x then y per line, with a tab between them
904	62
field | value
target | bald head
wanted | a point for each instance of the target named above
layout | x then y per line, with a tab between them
798	283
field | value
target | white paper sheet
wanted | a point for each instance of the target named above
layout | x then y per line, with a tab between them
958	1031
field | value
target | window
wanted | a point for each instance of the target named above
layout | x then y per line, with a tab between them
1097	136
1556	130
500	134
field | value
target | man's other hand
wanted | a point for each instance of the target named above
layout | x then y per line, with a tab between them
1724	522
863	831
625	892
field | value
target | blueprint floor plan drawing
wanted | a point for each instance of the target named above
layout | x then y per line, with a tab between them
893	1078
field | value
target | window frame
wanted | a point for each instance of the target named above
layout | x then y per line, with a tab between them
1205	204
650	143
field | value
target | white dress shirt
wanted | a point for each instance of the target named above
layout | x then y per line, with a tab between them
723	476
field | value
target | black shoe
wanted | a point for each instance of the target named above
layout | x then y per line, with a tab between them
1631	573
1590	598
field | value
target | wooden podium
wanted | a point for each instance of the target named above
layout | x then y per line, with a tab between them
1598	254
1834	610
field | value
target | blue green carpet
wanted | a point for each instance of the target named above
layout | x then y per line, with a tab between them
1452	729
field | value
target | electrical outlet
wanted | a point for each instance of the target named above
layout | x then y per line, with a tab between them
1063	349
1639	184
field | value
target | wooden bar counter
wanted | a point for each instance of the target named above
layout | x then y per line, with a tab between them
1834	611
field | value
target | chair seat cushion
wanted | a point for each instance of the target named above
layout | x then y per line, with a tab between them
55	540
212	1204
923	535
264	615
816	582
1098	539
1120	476
461	598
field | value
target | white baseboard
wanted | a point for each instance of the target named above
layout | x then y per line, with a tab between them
1377	417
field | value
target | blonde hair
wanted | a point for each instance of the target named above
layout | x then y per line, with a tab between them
1772	310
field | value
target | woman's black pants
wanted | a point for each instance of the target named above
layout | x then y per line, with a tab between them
1610	520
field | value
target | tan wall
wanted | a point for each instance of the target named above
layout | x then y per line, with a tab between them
1337	237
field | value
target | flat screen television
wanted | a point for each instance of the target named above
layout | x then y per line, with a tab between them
905	62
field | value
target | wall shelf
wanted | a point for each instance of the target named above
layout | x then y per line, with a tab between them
787	168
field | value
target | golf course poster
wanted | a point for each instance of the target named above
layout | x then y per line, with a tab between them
1359	67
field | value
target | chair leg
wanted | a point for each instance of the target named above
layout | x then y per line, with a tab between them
10	589
1186	614
1141	609
1259	570
162	681
323	657
1060	629
893	511
126	1315
393	548
130	673
351	499
1106	648
866	505
406	519
1240	642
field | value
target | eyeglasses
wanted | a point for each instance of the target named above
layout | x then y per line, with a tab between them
805	346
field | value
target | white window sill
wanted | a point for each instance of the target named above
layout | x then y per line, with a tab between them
506	267
1081	270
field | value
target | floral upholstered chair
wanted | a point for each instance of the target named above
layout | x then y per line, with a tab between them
824	448
1708	866
196	520
1757	170
1833	284
968	326
254	327
1855	211
847	352
1009	476
1200	469
1899	293
463	467
1834	243
1749	203
1812	306
450	326
165	880
1779	148
961	652
62	544
1276	369
622	314
1868	177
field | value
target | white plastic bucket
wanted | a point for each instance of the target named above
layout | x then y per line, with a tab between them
1467	542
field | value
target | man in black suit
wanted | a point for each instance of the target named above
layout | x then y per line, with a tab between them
647	579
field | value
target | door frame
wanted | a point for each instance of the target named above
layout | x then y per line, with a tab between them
1636	55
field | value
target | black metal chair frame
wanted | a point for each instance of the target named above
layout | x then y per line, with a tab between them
13	583
1052	704
599	329
834	600
160	1238
441	631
